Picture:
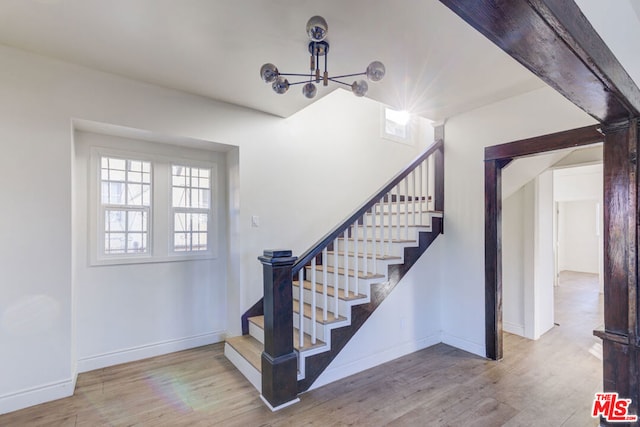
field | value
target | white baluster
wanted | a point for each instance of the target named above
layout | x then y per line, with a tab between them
346	263
301	310
413	181
356	261
336	287
397	215
382	245
313	300
420	195
406	207
374	251
324	284
365	249
390	226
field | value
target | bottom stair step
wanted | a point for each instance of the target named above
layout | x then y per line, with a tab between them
249	348
245	352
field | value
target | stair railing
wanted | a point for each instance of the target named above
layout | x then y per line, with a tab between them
364	237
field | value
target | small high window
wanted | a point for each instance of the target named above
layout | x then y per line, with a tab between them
396	125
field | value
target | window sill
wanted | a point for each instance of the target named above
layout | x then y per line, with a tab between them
151	259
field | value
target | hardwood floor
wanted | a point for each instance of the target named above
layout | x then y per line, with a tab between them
549	382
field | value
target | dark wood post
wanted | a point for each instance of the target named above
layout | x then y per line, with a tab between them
439	179
620	335
279	361
493	258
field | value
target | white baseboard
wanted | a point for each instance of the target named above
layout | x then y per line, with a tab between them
464	344
36	395
512	328
145	351
277	408
334	373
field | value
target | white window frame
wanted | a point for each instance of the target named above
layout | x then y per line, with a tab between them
191	210
125	207
160	219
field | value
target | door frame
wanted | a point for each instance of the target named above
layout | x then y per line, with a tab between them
496	158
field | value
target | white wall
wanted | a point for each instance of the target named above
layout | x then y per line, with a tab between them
577	238
513	238
300	175
528	258
132	311
578	193
543	259
535	113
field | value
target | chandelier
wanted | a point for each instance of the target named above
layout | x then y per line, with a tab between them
318	47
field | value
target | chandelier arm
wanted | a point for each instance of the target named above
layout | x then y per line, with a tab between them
294	74
347	75
333	79
299	83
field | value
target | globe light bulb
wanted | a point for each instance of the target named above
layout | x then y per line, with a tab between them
317	28
359	88
309	90
269	73
375	71
280	85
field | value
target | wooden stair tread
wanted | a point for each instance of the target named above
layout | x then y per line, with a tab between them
307	313
250	348
369	256
259	322
351	273
331	291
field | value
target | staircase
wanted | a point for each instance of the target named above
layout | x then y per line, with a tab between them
315	303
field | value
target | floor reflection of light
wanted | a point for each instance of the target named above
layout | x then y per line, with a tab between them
596	350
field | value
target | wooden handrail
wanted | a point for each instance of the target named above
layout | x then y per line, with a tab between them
338	230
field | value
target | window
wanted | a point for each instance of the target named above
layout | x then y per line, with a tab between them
396	125
125	204
191	205
148	207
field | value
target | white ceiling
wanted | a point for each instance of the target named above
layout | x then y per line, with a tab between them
437	66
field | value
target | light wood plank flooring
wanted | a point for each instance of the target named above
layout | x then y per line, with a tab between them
549	382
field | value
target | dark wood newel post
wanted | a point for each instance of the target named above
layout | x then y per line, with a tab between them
279	361
439	179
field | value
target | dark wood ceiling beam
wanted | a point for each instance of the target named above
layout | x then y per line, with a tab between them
543	144
554	40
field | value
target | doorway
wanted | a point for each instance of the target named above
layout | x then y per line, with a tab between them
496	159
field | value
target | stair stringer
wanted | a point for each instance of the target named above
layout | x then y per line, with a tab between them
316	364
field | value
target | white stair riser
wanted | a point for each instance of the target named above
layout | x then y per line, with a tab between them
320	328
402	218
402	233
308	297
402	207
361	282
251	373
256	331
386	249
371	266
381	264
